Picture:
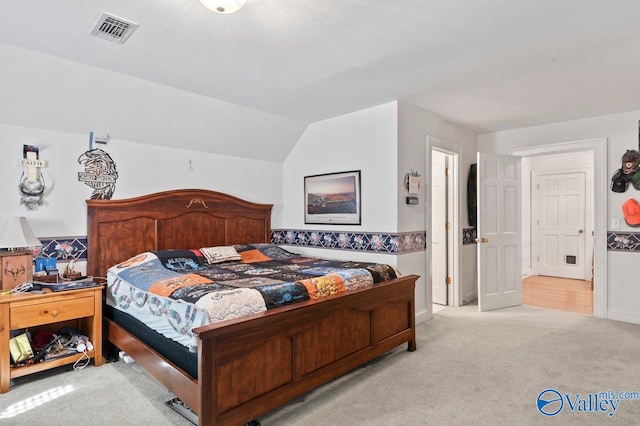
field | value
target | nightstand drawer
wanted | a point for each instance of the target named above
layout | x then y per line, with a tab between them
46	313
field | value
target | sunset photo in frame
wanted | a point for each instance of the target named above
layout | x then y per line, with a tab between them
332	198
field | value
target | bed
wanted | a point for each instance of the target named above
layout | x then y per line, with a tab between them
246	366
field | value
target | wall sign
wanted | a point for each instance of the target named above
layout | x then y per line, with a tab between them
99	173
32	182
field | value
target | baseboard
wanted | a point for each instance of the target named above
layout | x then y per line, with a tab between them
423	316
623	316
469	297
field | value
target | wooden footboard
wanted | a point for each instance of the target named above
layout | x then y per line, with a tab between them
249	367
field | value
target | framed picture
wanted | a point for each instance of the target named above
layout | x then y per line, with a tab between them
332	198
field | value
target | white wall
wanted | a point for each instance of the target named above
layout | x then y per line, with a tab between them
385	142
414	124
141	169
621	132
364	140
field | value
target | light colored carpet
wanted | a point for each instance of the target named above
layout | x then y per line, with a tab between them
113	394
486	368
470	369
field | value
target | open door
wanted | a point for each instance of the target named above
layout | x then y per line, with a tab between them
499	231
439	228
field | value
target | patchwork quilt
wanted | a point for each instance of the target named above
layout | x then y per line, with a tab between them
174	291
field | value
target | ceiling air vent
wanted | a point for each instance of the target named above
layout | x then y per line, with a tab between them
112	28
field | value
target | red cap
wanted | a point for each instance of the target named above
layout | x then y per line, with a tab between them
631	210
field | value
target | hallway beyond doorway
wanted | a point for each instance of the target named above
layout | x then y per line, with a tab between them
558	293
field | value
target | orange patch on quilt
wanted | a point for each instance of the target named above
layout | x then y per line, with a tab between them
169	285
136	260
327	285
253	256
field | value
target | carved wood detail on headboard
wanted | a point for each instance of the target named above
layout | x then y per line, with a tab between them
177	219
196	201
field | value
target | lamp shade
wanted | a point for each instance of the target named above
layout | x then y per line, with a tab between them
223	6
15	232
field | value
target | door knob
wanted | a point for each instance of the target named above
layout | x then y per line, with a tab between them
482	240
581	231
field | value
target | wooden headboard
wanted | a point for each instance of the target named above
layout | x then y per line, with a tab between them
178	219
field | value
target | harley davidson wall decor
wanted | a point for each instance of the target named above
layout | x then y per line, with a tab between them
99	173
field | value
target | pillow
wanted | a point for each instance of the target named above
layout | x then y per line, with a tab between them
220	254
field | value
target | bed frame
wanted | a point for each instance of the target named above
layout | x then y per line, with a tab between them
252	365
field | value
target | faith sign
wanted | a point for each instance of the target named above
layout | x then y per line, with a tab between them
32	184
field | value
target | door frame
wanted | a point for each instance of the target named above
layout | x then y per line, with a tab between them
455	150
600	187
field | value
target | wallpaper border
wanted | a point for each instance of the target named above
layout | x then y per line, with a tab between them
376	242
469	236
623	241
63	248
75	247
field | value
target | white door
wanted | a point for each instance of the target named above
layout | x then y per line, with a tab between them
499	238
561	225
438	227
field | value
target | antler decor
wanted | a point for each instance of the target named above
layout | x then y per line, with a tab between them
15	272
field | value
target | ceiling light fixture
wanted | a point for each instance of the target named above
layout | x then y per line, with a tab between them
223	6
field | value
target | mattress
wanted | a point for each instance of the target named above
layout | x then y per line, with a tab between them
174	352
174	291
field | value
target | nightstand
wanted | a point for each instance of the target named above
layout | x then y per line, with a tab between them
79	309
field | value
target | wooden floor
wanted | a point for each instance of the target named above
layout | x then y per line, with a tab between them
558	293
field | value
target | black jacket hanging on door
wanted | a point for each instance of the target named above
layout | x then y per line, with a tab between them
472	202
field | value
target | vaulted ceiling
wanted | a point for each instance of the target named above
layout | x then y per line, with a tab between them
487	64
